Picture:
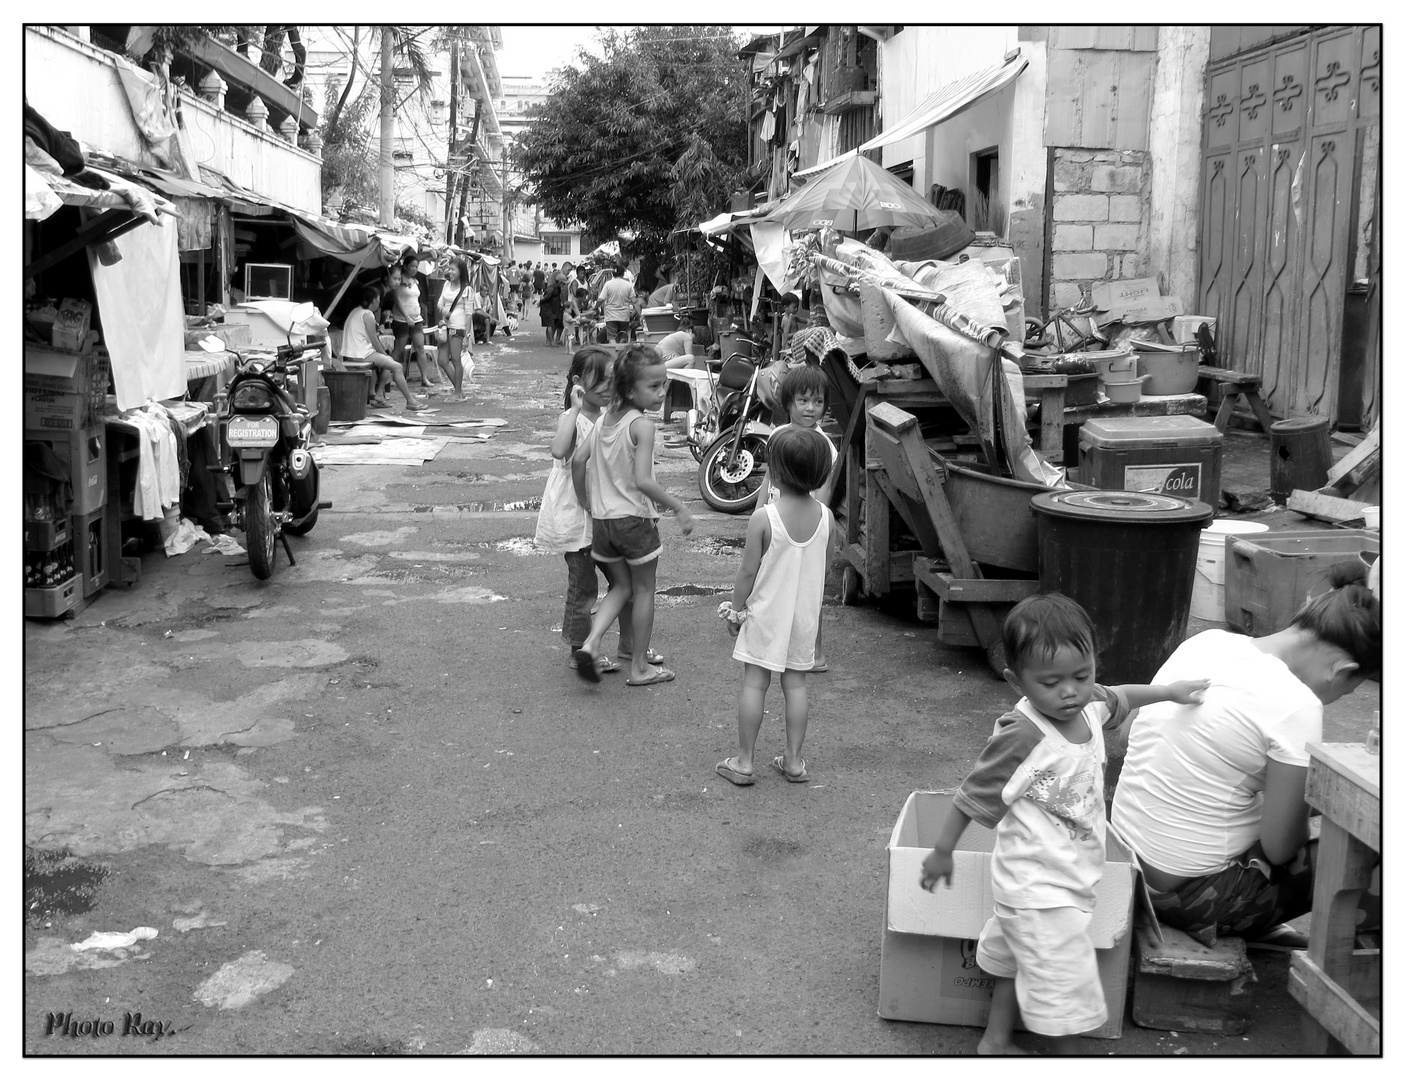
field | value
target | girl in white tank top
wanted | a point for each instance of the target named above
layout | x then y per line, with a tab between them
775	606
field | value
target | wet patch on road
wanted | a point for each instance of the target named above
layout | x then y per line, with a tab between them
372	1047
497	1041
517	545
55	956
678	595
770	849
720	547
381	538
55	883
662	962
500	478
518	506
435	556
243	981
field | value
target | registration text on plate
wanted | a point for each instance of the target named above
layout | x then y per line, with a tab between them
252	431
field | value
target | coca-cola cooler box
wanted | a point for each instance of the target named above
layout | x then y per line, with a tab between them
1169	455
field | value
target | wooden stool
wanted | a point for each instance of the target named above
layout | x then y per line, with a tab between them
1181	985
1235	385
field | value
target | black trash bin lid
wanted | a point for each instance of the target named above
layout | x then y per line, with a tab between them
1142	507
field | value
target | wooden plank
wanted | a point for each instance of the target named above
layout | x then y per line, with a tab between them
910	510
1356	465
973	591
1329	1004
1343	871
891	418
1315	504
1344	782
876	527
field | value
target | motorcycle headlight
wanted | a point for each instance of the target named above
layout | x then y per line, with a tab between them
251	395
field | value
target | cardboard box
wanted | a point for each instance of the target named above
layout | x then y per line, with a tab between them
927	963
63	390
1133	301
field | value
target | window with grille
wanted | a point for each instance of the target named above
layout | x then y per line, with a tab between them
556	243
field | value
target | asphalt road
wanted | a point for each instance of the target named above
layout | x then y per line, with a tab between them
368	807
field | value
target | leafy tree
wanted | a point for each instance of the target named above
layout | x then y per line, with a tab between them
649	136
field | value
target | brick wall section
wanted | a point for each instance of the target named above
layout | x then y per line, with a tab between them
1100	219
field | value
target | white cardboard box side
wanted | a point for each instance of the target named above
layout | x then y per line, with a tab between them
962	909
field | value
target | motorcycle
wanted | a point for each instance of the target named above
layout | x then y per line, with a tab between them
731	468
264	439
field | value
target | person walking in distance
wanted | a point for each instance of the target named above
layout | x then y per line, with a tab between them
617	299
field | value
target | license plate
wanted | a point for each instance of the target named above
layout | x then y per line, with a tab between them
252	431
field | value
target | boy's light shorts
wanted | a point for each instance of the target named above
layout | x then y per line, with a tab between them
1049	954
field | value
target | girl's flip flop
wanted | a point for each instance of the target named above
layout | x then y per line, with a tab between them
658	675
650	657
778	763
585	665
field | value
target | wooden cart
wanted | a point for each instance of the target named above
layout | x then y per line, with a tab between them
900	472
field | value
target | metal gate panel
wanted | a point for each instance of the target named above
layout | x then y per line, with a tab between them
1217	220
1242	333
1279	325
1279	171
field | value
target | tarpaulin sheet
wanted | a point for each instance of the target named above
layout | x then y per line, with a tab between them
350	243
143	317
964	370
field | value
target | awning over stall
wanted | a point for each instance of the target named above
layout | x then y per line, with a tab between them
355	244
951	99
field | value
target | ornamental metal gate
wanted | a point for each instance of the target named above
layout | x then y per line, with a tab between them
1283	206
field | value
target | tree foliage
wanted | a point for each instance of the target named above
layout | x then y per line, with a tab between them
647	137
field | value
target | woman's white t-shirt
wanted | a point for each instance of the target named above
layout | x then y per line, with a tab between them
1190	797
455	310
356	345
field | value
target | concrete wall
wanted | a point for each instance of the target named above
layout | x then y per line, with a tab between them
77	88
921	59
1174	142
1100	220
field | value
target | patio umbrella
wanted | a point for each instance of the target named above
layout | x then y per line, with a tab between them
851	197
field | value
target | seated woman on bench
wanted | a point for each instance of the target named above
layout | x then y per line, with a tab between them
361	342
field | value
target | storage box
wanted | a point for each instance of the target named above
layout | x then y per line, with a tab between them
1269	576
53	602
83	451
927	964
1181	985
1170	455
63	390
659	320
71	327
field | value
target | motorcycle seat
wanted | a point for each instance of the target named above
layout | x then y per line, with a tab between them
736	374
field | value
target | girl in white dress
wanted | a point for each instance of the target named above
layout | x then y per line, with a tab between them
775	606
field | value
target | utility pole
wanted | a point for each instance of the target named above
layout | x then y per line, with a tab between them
449	174
387	217
472	145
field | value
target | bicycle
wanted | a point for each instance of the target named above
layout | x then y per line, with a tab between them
1061	334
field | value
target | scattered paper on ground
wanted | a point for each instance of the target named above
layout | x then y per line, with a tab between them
387	452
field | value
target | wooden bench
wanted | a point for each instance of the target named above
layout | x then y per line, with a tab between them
1235	385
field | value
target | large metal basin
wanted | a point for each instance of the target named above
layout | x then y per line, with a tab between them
994	516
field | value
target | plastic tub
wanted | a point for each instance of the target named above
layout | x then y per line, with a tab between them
1208	594
1124	391
1268	578
1112	367
1130	559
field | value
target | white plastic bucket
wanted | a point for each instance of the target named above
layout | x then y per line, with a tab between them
1208	592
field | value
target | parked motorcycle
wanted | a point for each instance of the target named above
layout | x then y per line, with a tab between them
732	465
702	426
264	439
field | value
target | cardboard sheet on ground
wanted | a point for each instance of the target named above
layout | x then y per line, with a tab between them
419	421
404	451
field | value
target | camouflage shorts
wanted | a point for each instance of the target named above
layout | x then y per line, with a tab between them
1248	898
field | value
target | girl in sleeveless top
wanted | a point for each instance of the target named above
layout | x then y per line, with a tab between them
775	606
622	494
563	524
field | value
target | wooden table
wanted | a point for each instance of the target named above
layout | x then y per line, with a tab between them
1338	986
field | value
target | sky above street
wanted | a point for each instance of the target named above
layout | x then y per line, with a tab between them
533	50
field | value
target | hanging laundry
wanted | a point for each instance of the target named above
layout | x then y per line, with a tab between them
768	128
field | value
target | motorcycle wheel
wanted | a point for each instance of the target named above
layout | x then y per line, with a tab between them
732	491
303	494
260	534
